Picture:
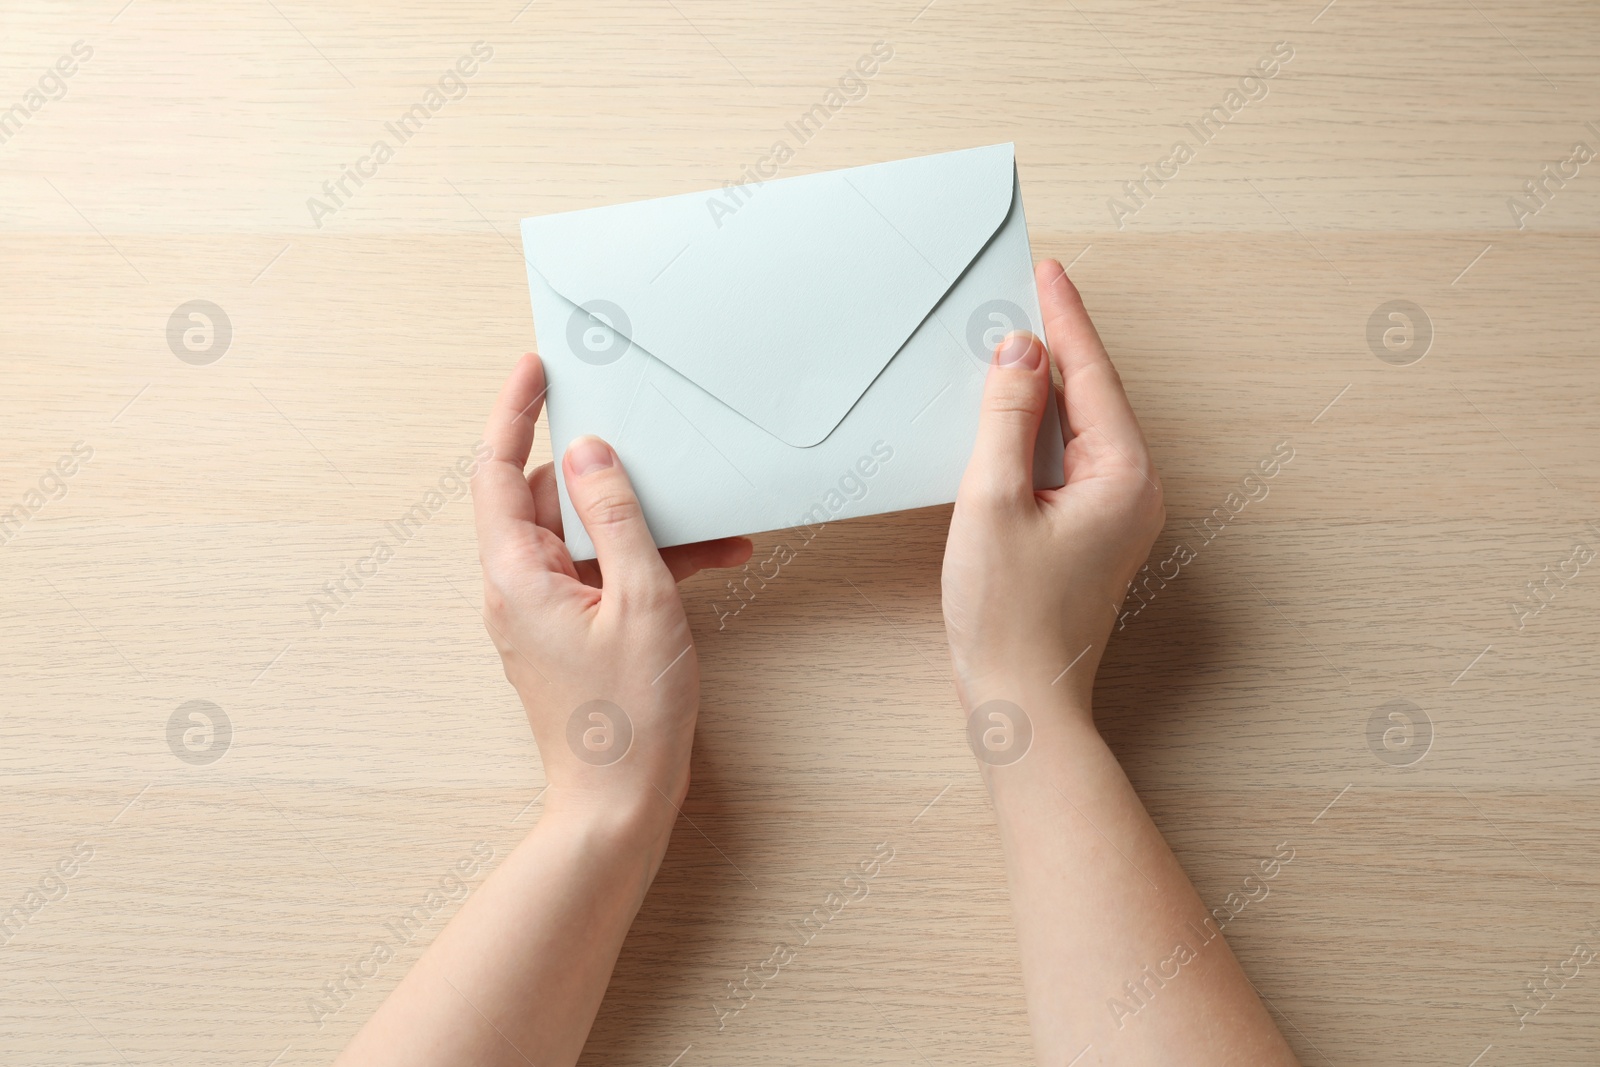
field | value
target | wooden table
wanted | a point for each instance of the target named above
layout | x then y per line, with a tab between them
1353	661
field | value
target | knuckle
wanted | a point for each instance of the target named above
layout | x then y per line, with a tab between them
650	594
990	493
1158	516
659	594
1151	505
1011	401
498	606
1107	371
1155	496
611	508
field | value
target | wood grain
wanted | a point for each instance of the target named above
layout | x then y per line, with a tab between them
370	752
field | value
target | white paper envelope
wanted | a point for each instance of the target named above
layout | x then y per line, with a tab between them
788	353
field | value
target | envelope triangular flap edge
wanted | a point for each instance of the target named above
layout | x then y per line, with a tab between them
787	302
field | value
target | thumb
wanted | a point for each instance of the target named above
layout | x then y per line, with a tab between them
604	500
1014	396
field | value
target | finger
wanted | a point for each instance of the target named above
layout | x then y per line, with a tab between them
605	502
516	412
546	498
503	504
1014	395
500	495
1068	451
1094	395
684	560
681	560
547	503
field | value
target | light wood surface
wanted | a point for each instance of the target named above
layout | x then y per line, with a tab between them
369	754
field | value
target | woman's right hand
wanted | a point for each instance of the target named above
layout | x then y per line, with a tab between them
1033	579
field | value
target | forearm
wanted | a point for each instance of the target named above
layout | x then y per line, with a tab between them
1118	951
518	974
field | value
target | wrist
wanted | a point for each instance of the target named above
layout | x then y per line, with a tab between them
1013	726
1058	673
630	821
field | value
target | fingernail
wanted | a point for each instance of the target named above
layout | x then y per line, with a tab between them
587	455
1020	350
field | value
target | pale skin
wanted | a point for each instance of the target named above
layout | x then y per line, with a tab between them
1031	579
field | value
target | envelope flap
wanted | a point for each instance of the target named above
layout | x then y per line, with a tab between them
783	300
